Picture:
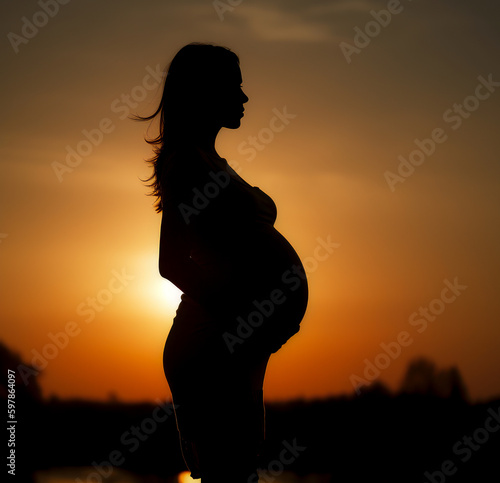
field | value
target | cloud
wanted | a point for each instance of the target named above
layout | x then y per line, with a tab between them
274	24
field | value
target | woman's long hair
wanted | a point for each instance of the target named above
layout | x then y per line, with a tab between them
192	78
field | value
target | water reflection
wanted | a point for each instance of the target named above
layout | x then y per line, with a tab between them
185	477
90	475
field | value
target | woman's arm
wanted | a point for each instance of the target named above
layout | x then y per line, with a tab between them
175	263
213	226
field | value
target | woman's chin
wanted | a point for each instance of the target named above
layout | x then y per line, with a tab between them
233	124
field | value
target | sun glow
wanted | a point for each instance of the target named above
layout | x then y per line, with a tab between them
166	293
156	294
185	477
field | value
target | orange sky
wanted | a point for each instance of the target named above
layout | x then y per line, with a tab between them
68	231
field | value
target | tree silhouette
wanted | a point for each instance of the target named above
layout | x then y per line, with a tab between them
26	400
424	378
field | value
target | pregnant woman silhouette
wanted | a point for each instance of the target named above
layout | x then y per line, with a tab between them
244	287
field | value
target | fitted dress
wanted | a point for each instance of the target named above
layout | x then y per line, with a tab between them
249	299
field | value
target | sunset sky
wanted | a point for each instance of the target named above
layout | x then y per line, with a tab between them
358	93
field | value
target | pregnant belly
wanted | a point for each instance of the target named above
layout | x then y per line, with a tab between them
277	267
275	288
260	288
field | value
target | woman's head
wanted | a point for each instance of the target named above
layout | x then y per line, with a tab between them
203	87
202	94
202	91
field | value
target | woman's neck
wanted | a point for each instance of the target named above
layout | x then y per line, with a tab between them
205	140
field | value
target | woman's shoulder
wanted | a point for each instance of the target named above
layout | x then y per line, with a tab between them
187	169
193	161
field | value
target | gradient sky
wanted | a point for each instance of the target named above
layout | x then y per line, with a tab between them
64	238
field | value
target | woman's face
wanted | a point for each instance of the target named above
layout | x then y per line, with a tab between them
227	103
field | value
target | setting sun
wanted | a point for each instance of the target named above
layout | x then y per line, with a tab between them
158	294
185	477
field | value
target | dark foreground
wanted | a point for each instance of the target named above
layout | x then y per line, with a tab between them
372	437
427	432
